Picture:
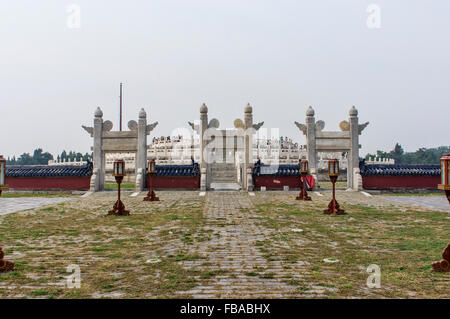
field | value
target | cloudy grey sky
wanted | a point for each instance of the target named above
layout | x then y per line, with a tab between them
173	55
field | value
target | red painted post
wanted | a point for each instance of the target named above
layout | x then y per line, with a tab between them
303	167
3	185
445	177
5	265
151	170
333	173
119	173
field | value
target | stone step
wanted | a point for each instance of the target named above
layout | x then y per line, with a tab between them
222	166
224	180
223	174
225	186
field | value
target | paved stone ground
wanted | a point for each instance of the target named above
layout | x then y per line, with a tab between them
234	251
430	202
11	205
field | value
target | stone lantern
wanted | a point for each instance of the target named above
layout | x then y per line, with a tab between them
3	186
445	177
119	173
151	171
303	168
333	173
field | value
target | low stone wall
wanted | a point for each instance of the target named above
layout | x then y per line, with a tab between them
175	182
48	183
276	182
323	175
400	176
400	182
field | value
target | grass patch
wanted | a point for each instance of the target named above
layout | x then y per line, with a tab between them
113	185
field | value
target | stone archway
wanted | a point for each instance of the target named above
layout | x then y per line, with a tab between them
105	140
226	158
347	140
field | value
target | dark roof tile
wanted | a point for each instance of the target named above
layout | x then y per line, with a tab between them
49	170
399	169
178	170
276	170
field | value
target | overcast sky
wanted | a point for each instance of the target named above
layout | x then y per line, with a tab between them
173	55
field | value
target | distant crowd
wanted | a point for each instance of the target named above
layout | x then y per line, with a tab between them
285	143
167	139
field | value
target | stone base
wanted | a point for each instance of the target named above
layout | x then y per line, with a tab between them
444	264
225	186
119	209
5	265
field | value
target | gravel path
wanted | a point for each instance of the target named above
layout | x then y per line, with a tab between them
234	250
11	205
430	202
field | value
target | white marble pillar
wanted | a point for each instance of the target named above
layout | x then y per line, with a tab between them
141	156
201	131
353	160
248	156
98	182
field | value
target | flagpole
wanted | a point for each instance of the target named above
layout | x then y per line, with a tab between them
121	107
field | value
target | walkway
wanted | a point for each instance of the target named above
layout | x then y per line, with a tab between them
15	204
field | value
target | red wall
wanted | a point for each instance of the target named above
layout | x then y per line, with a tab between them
386	182
47	183
173	182
276	182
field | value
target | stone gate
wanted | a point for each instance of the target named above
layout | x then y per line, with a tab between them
226	156
105	140
347	140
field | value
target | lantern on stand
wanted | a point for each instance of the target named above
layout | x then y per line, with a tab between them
3	186
333	173
119	173
151	171
303	167
445	177
5	265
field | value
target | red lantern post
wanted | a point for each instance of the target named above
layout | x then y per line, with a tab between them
5	265
445	177
3	186
333	173
151	171
119	173
303	167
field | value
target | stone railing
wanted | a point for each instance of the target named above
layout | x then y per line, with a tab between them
380	160
66	162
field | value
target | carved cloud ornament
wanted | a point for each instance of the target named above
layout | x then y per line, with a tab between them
361	127
257	126
301	127
150	127
132	125
195	127
107	126
214	123
89	129
238	123
320	125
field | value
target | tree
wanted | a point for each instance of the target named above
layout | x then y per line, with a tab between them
421	156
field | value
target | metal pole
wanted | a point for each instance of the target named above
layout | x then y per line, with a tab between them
121	107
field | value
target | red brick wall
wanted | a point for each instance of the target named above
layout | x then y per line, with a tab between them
48	183
174	182
387	182
276	182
